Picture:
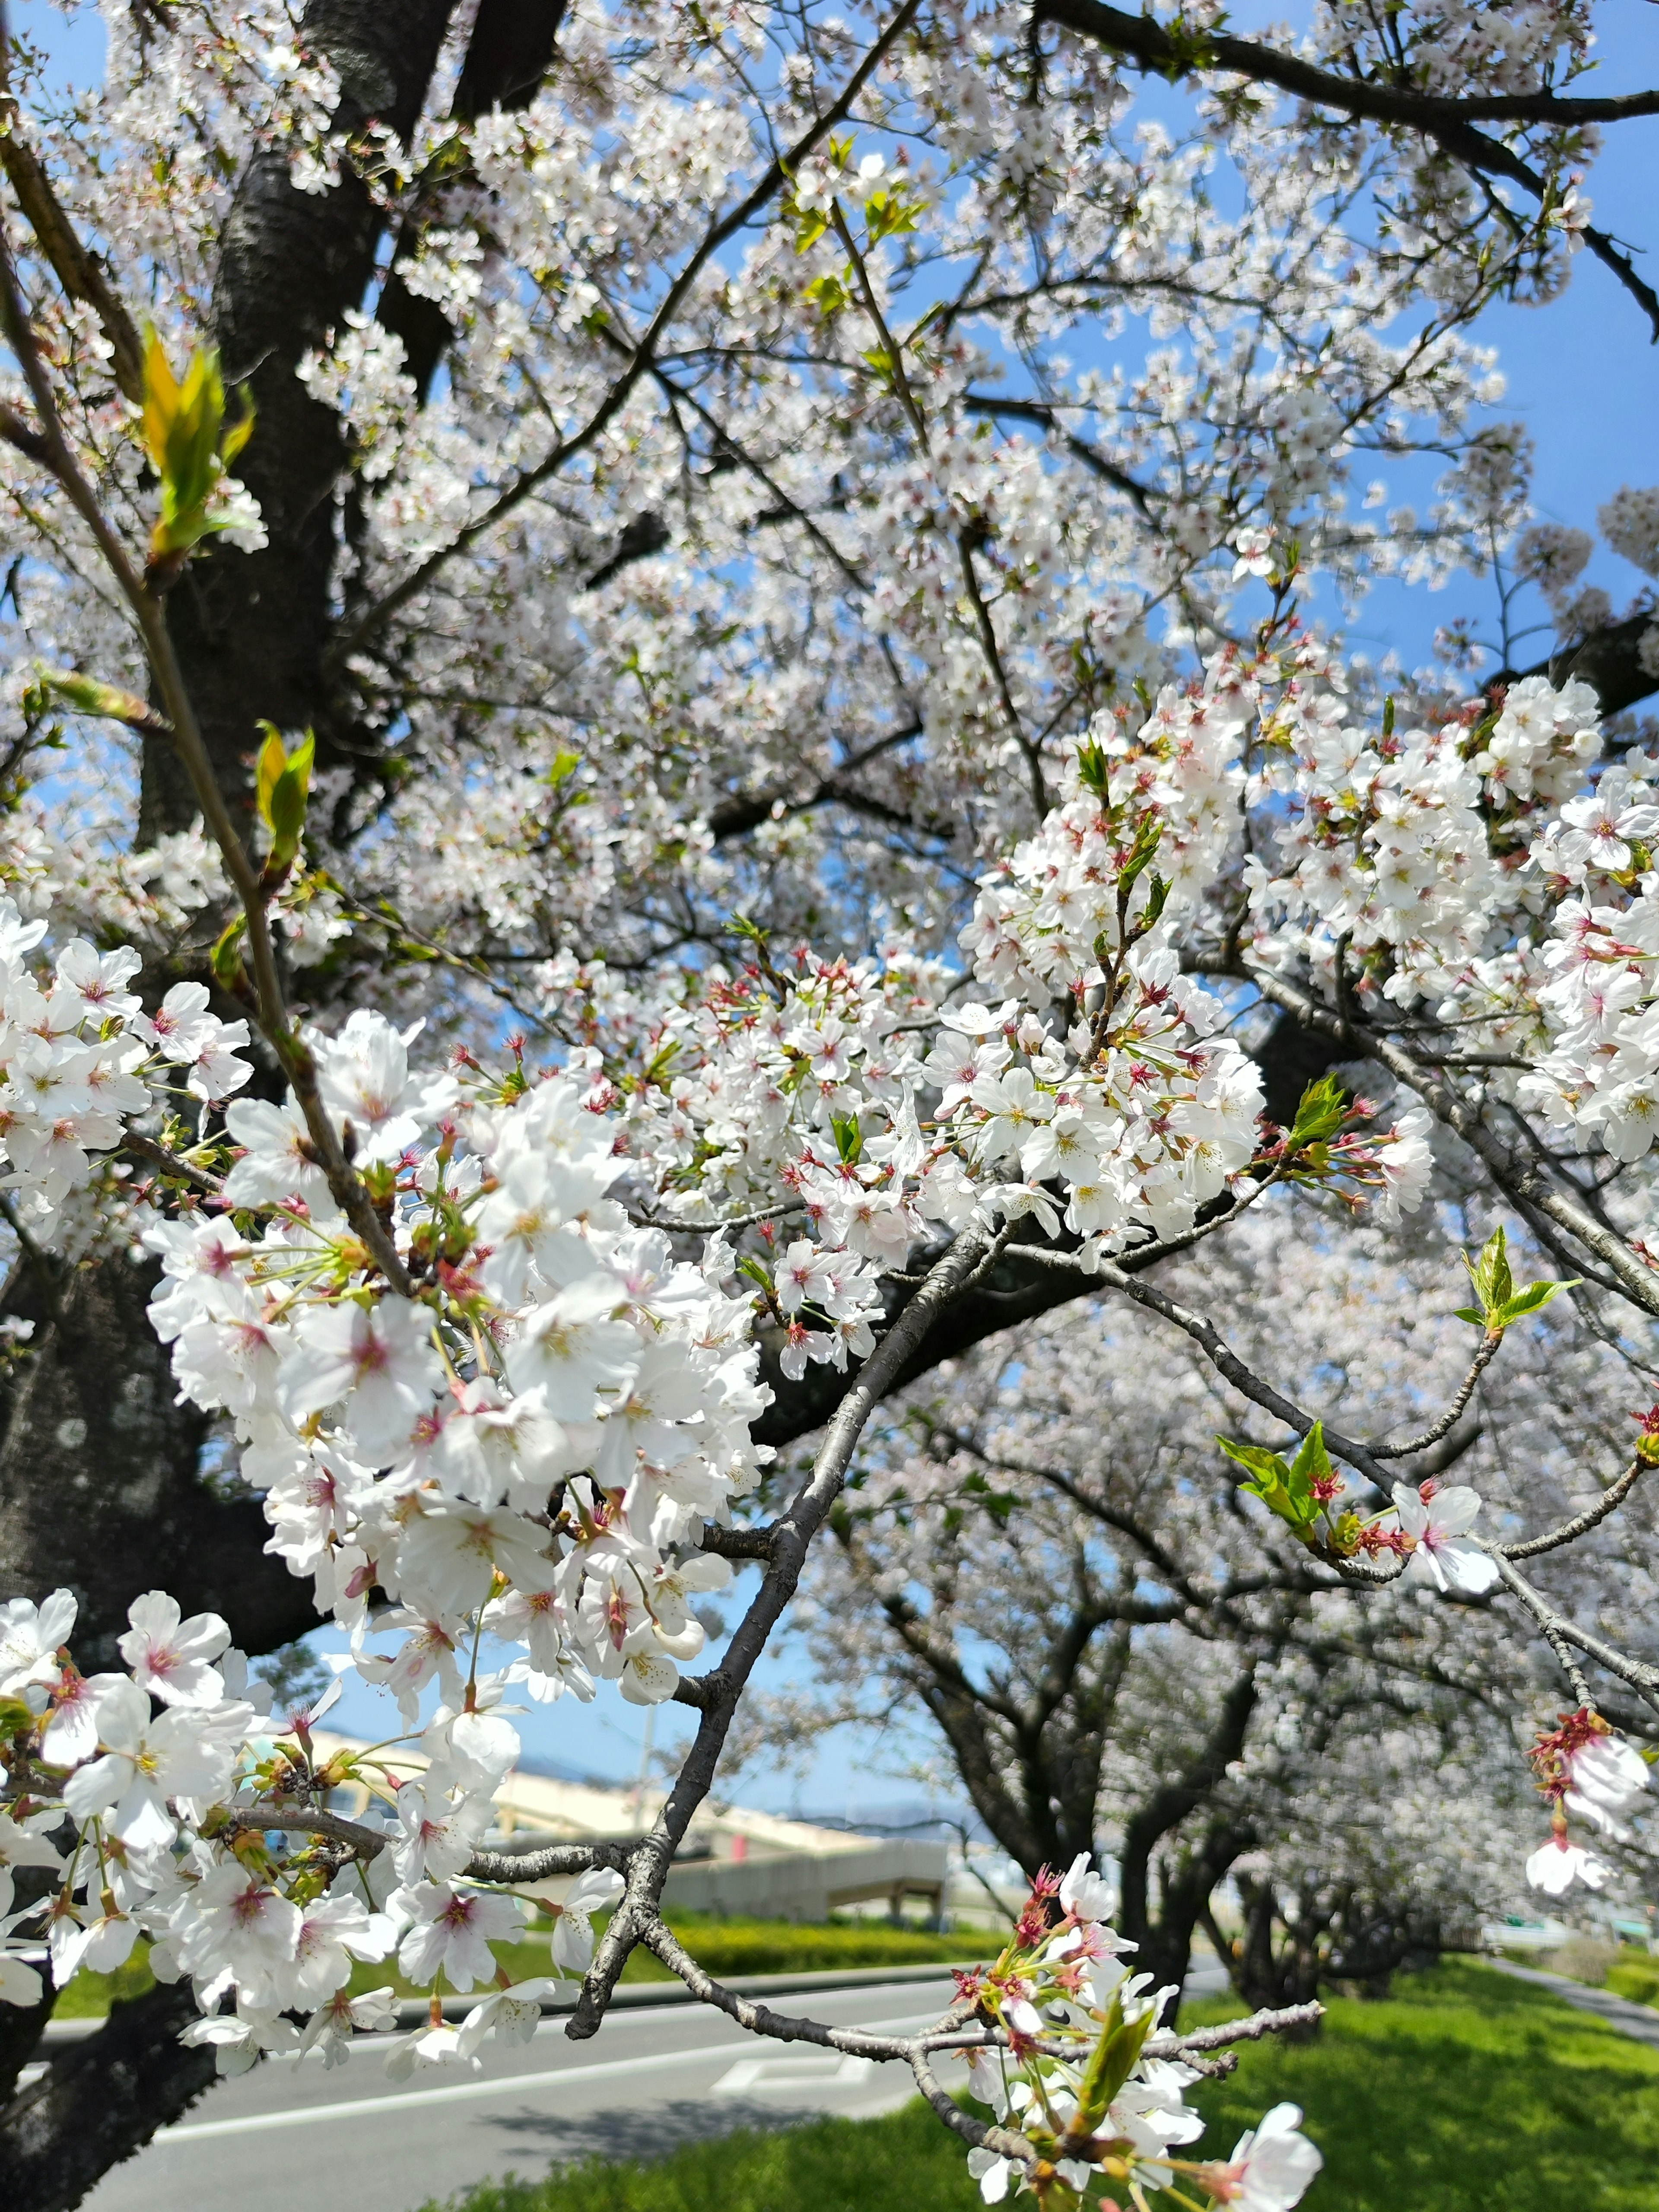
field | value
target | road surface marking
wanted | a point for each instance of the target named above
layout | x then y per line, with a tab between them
508	2085
792	2073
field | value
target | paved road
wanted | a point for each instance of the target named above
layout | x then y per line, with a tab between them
1634	2020
649	2079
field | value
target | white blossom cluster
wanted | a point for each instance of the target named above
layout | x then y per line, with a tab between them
525	1452
531	1442
898	544
1410	845
1063	1988
79	1057
152	1766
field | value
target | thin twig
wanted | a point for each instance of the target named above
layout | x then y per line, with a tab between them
1568	1532
792	1535
1448	1421
777	173
295	1055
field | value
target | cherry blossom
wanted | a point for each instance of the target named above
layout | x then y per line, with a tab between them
1435	1530
793	830
1271	2166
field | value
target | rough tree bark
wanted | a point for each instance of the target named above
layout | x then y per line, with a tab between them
100	1487
252	629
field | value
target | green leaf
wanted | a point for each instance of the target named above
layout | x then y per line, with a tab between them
887	214
1501	1304
1284	1490
1530	1301
288	798
829	294
1268	1465
1321	1111
1093	769
1148	836
1491	1274
1110	2065
273	759
226	959
1311	1464
849	1138
86	695
811	223
188	444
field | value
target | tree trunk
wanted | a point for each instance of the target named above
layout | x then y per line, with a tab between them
99	2100
101	1491
1165	1941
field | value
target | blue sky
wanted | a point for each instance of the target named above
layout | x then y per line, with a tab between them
1584	379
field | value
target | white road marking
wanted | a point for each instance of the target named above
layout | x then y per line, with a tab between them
508	2085
831	2071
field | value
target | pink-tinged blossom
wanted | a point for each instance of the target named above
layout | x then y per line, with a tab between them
330	2030
144	1762
994	2173
511	2015
1406	1162
31	1637
439	1836
449	1931
239	2040
170	1656
333	1931
1440	1551
1556	1865
242	1927
278	1156
448	1559
574	1348
376	1363
1271	2167
71	1733
366	1079
22	1846
573	1932
1607	1775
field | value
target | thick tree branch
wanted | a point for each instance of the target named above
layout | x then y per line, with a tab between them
375	619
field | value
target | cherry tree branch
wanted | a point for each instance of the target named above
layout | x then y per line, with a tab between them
792	1535
1448	123
365	1843
776	174
1560	1632
1568	1532
149	613
1522	1180
1225	1360
1448	1420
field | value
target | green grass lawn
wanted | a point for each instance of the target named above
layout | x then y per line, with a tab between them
1465	2092
1635	1978
728	1948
